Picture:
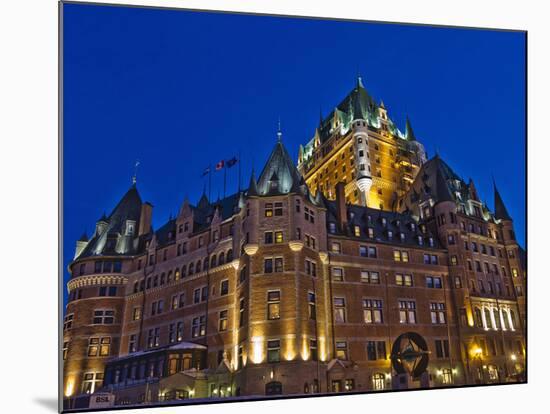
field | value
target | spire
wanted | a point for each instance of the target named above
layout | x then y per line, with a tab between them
84	237
500	209
279	132
382	104
320	115
253	185
203	202
279	175
103	217
409	133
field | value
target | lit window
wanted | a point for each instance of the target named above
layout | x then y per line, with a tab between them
198	327
357	231
339	310
403	280
378	381
370	277
91	381
407	311
99	346
372	311
273	304
437	313
274	350
278	237
336	247
337	274
222	324
342	350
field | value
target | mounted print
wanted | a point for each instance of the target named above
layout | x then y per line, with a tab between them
260	207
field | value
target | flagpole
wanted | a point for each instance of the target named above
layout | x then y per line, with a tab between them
224	178
209	182
239	184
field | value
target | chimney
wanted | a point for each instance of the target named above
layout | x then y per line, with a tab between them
341	209
145	218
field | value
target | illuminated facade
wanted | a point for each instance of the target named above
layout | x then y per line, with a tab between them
360	145
280	289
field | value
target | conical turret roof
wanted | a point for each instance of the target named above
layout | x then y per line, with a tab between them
500	209
280	175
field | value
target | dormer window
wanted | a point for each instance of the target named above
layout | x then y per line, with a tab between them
413	226
420	241
384	221
390	234
402	236
357	231
130	227
332	227
431	242
371	232
186	226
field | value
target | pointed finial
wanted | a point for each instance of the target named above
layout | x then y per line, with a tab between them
359	80
134	177
279	132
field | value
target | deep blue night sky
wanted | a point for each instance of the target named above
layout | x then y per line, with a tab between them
181	90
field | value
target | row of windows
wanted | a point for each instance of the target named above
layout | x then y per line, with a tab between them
372	277
369	231
181	249
373	311
178	301
489	268
398	255
192	268
102	266
100	317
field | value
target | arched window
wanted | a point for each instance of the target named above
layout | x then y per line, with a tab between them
488	318
205	264
229	255
136	287
213	261
176	274
221	259
378	381
162	278
191	268
513	318
497	318
169	277
479	319
198	266
183	271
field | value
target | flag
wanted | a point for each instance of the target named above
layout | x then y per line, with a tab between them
230	163
220	165
205	172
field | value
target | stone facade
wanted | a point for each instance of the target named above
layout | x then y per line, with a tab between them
280	289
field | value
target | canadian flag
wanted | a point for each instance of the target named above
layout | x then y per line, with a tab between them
220	165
